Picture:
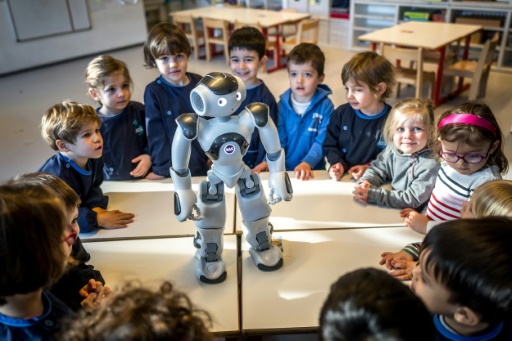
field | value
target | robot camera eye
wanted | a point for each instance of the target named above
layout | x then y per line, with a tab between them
222	102
238	95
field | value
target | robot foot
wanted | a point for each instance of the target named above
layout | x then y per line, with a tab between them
267	260
211	272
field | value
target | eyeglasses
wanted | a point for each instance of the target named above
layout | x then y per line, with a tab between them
472	158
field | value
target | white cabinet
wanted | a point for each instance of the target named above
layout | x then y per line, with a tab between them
494	16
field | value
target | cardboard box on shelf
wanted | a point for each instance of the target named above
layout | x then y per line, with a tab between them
489	22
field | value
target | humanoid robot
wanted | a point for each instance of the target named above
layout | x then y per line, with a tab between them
225	140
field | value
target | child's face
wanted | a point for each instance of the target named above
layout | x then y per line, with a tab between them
114	96
88	144
71	231
463	149
430	291
410	136
245	64
304	80
360	97
173	68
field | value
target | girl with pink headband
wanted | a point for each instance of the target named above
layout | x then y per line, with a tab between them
470	146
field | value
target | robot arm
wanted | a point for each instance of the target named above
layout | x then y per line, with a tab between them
279	181
184	198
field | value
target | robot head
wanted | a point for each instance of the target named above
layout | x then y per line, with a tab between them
217	94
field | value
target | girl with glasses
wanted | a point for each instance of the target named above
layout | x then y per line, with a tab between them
470	146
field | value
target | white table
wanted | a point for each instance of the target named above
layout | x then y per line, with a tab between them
152	202
323	203
265	18
426	35
289	299
152	261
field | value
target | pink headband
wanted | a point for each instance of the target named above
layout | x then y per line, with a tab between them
468	119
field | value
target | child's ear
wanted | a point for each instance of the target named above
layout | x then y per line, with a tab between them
494	146
466	316
62	146
94	94
263	61
381	88
321	78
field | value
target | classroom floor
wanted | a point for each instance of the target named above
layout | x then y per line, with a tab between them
25	96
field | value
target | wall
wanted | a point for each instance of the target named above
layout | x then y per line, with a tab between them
113	26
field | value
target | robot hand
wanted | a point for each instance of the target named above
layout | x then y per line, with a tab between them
185	205
280	188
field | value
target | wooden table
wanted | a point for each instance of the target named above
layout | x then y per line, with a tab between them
323	203
289	300
265	18
152	261
429	36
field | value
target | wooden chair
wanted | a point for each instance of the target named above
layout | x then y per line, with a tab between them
408	75
307	32
194	33
477	70
286	31
216	32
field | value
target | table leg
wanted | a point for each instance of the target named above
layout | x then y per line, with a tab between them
277	55
439	78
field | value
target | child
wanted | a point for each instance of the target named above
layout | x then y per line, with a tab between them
493	198
34	246
247	54
408	162
369	304
73	130
168	49
304	111
470	144
464	277
125	145
141	314
354	135
78	274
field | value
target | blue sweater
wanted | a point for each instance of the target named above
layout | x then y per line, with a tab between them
501	332
124	138
260	93
354	138
302	137
164	103
86	183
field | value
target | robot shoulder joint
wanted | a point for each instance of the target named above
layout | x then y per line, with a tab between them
259	113
188	124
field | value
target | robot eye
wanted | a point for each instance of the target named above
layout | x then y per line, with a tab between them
222	102
238	95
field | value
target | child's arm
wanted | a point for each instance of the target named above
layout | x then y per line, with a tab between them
113	219
142	168
332	148
303	171
414	220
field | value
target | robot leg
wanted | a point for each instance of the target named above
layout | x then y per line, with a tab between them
210	232
257	229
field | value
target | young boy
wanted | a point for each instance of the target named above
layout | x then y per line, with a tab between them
247	54
354	136
73	130
369	304
168	49
304	111
464	277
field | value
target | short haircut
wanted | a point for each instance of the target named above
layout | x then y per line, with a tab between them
61	188
63	121
101	68
372	69
307	52
472	134
142	314
248	38
32	224
416	108
165	39
370	305
472	259
492	198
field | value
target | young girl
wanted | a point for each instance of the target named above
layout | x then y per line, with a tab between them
125	145
408	162
168	49
470	144
35	243
493	198
354	135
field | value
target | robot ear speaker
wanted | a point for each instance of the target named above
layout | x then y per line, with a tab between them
197	102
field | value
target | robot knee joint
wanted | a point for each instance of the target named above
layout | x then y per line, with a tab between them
249	186
211	193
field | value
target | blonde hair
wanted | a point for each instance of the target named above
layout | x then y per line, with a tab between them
493	198
100	68
409	108
63	121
